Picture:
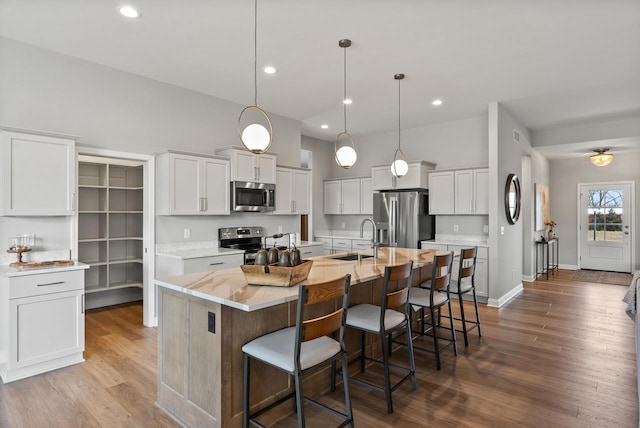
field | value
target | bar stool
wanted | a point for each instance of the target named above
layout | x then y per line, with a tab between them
304	347
466	283
383	320
433	295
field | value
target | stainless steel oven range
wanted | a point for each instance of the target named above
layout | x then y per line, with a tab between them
248	239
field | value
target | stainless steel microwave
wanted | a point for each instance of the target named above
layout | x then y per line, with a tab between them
246	196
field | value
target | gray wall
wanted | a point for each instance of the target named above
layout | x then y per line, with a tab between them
120	111
590	131
323	161
505	157
535	169
563	196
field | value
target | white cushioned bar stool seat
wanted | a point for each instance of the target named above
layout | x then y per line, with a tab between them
277	349
304	347
367	317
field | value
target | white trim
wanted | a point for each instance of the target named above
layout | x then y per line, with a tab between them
528	278
150	316
497	303
568	267
632	217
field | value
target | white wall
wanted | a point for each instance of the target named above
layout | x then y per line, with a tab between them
535	169
322	169
591	131
563	196
120	111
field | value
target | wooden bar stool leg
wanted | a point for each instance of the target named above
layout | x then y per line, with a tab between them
464	321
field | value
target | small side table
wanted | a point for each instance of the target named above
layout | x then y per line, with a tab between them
548	252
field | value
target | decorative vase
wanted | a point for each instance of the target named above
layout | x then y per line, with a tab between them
550	235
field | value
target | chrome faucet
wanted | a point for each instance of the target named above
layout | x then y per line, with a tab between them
374	241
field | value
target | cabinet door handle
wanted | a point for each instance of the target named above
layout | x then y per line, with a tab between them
291	206
216	263
82	311
258	169
51	283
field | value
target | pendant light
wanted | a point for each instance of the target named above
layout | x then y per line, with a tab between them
399	166
255	137
346	153
601	158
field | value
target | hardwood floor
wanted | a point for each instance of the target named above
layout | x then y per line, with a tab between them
561	354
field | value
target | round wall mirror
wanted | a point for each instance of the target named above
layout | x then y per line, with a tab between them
512	198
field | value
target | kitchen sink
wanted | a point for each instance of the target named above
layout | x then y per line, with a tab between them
350	257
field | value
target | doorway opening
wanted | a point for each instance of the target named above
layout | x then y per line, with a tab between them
605	226
115	229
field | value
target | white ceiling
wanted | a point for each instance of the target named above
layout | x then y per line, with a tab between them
551	62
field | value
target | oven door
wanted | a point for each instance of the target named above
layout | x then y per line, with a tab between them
246	196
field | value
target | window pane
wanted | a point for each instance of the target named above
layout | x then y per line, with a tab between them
614	232
613	198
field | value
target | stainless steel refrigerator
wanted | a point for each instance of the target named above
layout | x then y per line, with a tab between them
402	218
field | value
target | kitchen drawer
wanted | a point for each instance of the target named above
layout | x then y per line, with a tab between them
205	264
311	251
326	242
45	283
357	244
340	245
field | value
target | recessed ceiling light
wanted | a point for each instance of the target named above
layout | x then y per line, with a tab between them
325	126
347	101
270	70
436	103
129	12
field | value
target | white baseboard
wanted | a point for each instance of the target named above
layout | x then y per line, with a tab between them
497	303
528	278
568	267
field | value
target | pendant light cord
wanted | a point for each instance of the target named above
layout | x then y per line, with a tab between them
345	89
255	53
399	104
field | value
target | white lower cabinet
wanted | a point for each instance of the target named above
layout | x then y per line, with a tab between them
482	264
311	251
344	245
41	323
171	265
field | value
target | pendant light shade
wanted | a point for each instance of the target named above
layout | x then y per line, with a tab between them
399	166
344	146
601	158
255	137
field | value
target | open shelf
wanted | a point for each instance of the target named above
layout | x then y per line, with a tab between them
110	222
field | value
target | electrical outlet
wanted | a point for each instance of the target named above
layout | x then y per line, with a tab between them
211	324
187	233
279	229
501	230
455	228
486	228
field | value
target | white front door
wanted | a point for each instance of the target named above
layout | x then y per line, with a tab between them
605	226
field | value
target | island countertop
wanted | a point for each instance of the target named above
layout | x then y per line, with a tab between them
229	287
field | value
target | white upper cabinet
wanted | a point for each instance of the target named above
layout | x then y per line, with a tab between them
472	191
342	196
192	185
292	191
38	174
251	167
416	177
459	192
366	196
441	192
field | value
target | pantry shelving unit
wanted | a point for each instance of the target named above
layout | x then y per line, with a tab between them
110	222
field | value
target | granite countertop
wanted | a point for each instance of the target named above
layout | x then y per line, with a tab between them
8	271
229	287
